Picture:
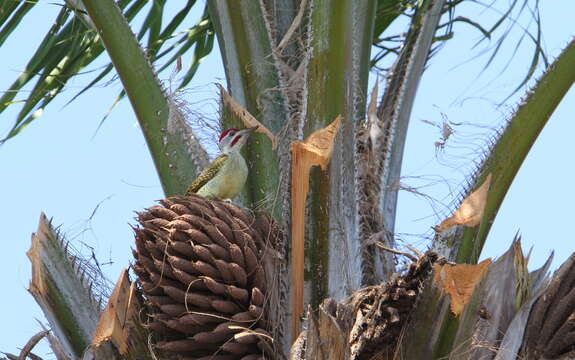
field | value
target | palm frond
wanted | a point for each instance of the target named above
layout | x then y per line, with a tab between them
507	20
508	152
72	44
70	290
14	12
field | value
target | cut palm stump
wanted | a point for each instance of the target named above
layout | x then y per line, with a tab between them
200	268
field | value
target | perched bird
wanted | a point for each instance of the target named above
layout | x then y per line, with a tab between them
226	175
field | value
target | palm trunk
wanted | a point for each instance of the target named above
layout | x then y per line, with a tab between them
297	70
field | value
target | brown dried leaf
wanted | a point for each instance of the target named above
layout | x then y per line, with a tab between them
248	119
320	142
459	281
470	212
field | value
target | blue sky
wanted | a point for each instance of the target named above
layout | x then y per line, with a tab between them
57	164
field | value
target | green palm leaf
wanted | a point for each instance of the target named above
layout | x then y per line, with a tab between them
72	44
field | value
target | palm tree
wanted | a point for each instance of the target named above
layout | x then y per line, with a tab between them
300	68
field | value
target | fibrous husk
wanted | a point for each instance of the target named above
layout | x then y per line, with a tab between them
369	324
199	268
381	311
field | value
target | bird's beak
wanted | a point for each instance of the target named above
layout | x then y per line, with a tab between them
249	131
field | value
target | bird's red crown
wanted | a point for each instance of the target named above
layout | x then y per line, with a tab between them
226	132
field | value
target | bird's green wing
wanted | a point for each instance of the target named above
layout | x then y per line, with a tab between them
207	174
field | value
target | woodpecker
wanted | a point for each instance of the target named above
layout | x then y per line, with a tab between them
226	175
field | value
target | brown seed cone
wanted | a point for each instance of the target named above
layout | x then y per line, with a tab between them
198	266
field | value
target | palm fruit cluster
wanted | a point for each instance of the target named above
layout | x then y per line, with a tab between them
199	268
